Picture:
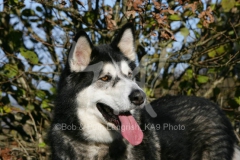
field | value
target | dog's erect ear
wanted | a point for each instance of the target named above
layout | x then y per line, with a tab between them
80	54
125	41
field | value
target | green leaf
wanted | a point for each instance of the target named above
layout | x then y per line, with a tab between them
30	107
7	109
197	34
29	55
231	33
150	22
202	79
90	17
187	13
189	92
188	74
212	53
10	70
227	5
184	31
220	50
20	92
45	104
199	25
237	99
41	94
42	145
237	4
211	70
53	90
149	92
213	6
175	17
13	2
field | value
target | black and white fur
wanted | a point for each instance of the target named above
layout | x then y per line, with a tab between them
207	133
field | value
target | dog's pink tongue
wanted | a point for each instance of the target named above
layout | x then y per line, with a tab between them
130	129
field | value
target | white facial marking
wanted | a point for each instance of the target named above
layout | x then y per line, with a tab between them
125	68
109	68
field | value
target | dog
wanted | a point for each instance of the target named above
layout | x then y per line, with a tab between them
101	112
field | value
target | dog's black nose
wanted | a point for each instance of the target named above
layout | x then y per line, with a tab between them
137	97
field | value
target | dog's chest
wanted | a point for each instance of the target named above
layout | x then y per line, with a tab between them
91	151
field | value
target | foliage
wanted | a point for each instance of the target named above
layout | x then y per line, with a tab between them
184	47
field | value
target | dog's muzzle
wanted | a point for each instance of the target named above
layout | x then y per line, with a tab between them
137	97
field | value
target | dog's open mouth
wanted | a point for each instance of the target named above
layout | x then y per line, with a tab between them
130	130
108	114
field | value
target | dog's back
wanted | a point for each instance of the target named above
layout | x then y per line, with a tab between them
191	128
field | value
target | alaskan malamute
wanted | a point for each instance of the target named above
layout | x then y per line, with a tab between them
101	112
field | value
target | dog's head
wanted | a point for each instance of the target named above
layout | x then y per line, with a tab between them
108	91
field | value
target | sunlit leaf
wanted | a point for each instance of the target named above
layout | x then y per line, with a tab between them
211	70
213	6
237	99
13	2
7	109
231	33
42	145
221	49
184	31
41	94
10	70
199	25
29	55
189	92
202	79
45	104
188	74
188	13
175	17
227	5
237	4
212	53
197	34
149	92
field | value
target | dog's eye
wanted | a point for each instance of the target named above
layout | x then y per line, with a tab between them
106	78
